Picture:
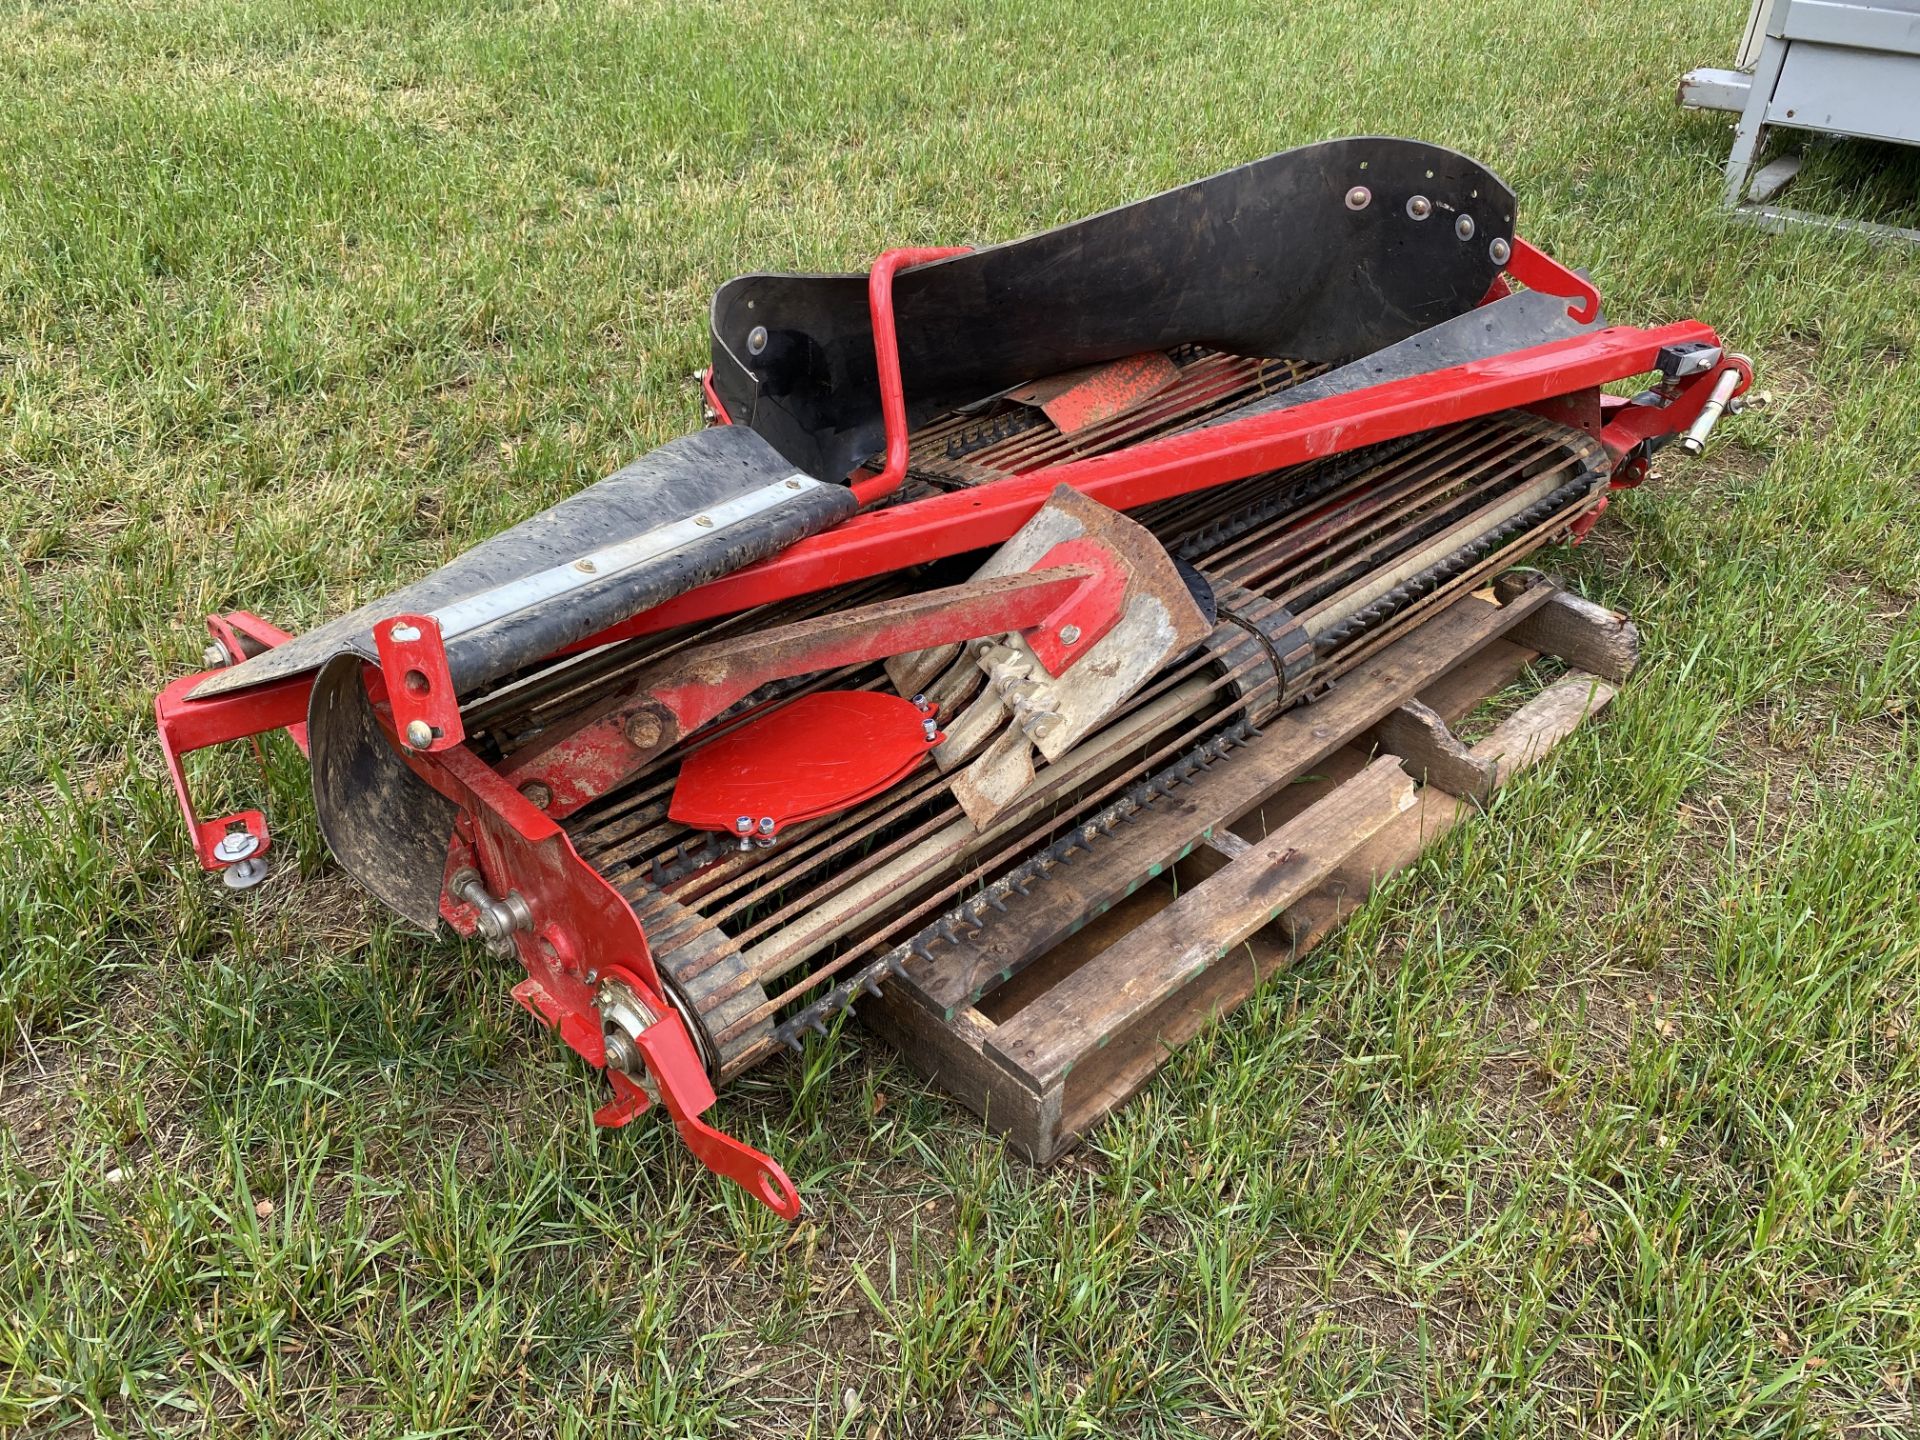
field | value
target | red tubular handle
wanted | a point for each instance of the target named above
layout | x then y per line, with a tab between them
886	354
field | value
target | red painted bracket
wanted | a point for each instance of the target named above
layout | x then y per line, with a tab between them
1537	270
413	662
715	405
686	1092
186	725
886	354
1090	612
1626	427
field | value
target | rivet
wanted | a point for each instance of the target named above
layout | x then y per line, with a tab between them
1419	207
1069	634
1359	197
793	484
704	521
419	734
757	340
1463	227
643	730
585	567
1500	251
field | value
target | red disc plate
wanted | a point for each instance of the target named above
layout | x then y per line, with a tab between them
823	753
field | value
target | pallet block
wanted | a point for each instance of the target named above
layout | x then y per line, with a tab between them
1051	1017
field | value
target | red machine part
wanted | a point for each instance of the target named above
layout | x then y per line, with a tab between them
578	930
895	537
824	753
1537	270
572	931
426	712
589	761
188	725
1085	397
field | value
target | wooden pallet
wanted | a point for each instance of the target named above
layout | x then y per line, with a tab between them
1057	1012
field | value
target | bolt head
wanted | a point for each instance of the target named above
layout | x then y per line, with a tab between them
419	734
235	845
757	340
1499	251
1419	207
643	730
1463	227
1069	634
1359	197
537	795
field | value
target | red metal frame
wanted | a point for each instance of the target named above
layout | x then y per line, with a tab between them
582	931
188	725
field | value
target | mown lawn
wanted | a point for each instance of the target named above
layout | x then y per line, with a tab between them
1602	1122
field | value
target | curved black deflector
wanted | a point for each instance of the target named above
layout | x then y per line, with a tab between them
386	826
1324	253
727	474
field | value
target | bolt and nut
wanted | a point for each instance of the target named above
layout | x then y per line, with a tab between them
236	845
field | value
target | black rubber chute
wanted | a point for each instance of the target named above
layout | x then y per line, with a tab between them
1325	253
679	480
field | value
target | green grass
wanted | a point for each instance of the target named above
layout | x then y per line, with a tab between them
1604	1121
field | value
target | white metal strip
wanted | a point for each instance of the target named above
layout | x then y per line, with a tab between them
599	566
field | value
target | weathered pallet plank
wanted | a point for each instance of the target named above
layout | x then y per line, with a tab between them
1131	977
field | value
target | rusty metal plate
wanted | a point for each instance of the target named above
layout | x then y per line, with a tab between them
1077	399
